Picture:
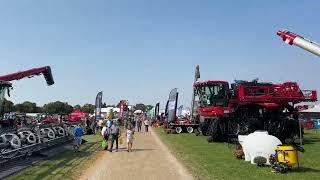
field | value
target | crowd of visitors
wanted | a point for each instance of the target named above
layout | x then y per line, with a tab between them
111	132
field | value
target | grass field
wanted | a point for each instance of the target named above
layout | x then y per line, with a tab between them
66	165
216	160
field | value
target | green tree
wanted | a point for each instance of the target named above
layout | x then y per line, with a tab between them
104	105
111	114
141	107
57	107
27	107
88	108
8	106
77	106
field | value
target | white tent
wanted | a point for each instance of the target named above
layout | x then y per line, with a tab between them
315	109
138	112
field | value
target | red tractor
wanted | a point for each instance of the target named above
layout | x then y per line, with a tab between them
227	111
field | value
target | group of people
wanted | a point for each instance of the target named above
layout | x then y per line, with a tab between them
111	129
141	119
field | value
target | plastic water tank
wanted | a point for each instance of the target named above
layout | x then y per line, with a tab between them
259	143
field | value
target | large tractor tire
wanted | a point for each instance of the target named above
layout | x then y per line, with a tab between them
203	128
217	133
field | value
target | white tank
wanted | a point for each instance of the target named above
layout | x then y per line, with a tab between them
259	143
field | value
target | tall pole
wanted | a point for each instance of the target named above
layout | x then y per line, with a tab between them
196	77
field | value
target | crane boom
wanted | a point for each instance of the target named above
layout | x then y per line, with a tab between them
46	71
294	39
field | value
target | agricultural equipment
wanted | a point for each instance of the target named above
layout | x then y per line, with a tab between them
18	140
172	121
306	44
285	158
228	111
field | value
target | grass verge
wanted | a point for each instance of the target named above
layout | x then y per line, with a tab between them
66	165
216	160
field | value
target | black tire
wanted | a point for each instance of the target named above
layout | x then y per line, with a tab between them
217	133
203	128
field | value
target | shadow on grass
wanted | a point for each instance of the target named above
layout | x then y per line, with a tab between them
305	170
312	140
62	165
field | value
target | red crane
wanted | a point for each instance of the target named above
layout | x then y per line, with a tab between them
292	38
45	71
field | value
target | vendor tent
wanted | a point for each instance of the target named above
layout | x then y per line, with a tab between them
77	115
312	113
138	111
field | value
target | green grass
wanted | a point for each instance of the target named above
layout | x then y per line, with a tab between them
216	160
63	166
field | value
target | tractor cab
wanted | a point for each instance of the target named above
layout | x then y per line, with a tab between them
212	93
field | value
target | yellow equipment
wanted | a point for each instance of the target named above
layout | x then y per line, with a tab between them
287	155
285	158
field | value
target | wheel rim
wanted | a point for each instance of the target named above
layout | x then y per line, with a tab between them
190	129
178	130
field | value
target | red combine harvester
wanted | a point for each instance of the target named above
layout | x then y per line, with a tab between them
225	112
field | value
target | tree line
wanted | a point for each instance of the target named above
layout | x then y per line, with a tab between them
56	107
59	107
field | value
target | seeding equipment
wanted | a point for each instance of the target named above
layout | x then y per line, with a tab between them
225	111
18	140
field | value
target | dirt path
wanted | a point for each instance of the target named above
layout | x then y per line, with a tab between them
150	160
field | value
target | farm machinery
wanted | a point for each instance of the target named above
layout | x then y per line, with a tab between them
21	139
225	111
299	41
176	123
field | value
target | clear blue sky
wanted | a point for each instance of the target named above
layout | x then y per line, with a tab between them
139	50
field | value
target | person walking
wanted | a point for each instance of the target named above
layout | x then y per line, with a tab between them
115	134
129	137
105	132
78	133
140	123
146	125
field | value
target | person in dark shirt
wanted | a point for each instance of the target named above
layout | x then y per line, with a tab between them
115	133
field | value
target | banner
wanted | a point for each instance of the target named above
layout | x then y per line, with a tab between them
98	106
179	113
121	113
157	110
172	105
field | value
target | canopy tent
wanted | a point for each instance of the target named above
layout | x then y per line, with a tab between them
138	111
312	113
77	115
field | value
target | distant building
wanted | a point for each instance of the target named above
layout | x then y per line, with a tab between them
106	111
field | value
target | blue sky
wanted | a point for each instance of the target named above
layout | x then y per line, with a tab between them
139	50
